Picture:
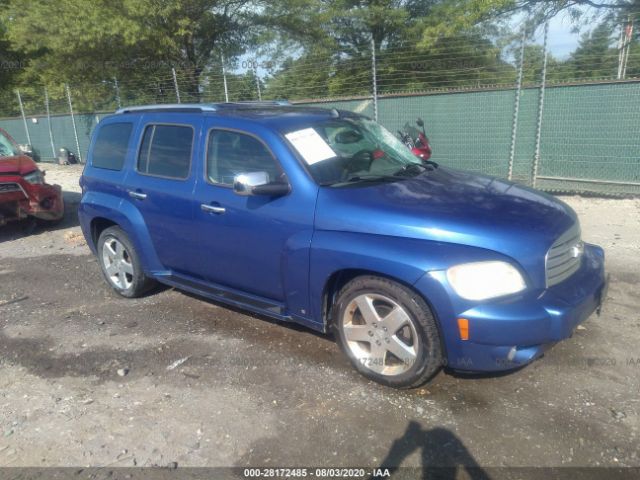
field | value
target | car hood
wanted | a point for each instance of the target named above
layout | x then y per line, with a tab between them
452	206
18	164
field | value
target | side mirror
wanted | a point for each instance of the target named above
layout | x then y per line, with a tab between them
257	183
420	122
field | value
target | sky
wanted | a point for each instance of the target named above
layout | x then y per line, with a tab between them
561	41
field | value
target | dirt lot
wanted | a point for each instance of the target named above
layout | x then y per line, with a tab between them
205	385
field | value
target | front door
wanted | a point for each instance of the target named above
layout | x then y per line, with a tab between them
256	244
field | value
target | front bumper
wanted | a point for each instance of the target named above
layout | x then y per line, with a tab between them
512	332
20	199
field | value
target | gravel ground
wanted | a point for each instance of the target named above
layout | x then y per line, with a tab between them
91	379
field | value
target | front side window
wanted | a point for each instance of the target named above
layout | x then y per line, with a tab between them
232	153
110	149
345	151
166	151
7	147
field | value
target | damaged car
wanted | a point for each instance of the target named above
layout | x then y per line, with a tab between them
23	191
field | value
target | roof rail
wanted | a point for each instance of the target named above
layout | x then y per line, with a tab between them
256	103
201	107
167	107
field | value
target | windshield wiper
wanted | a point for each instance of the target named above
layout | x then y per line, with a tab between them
420	167
401	174
366	178
416	168
375	178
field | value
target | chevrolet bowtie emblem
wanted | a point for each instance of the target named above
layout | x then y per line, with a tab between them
577	250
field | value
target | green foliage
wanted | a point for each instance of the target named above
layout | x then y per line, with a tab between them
137	41
10	65
240	87
305	77
594	57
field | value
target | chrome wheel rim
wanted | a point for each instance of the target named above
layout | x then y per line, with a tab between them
117	263
380	334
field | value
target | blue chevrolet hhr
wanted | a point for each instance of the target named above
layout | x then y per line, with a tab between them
324	218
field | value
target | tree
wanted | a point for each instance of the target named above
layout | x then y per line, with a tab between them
10	64
305	77
137	41
464	14
594	57
533	64
337	61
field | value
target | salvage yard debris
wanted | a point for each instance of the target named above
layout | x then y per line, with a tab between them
177	363
74	238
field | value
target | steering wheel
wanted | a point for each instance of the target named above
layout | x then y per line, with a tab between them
363	155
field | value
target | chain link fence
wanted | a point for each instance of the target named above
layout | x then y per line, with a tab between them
529	119
589	133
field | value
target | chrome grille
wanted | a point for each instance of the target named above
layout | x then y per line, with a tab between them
11	187
564	257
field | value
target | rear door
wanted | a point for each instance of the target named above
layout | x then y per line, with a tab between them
161	183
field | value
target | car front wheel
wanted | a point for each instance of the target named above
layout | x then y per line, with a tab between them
387	331
120	264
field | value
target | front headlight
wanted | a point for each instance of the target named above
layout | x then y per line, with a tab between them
36	177
484	280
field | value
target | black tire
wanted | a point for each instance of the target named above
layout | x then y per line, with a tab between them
137	283
428	357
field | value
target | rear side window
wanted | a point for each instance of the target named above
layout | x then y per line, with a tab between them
110	148
166	151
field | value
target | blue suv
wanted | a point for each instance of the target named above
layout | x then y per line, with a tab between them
324	218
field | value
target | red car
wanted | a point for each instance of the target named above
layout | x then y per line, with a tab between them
23	191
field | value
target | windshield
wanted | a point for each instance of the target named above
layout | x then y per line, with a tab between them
7	147
354	150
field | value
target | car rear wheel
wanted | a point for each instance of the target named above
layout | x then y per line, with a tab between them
120	264
387	331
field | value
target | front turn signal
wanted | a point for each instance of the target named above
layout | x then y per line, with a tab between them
463	328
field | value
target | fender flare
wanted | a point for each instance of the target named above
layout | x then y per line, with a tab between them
124	214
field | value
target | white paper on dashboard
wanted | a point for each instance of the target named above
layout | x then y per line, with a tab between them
310	145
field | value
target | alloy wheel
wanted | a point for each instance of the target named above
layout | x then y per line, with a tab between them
380	334
117	263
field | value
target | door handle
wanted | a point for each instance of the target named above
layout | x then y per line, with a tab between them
212	208
137	195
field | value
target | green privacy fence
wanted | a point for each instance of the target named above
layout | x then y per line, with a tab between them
62	133
589	134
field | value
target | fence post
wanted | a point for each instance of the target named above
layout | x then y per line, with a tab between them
255	73
620	51
629	32
224	79
46	104
543	81
374	79
175	84
24	118
516	106
73	121
117	89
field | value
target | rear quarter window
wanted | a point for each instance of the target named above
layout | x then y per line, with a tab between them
165	151
110	149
